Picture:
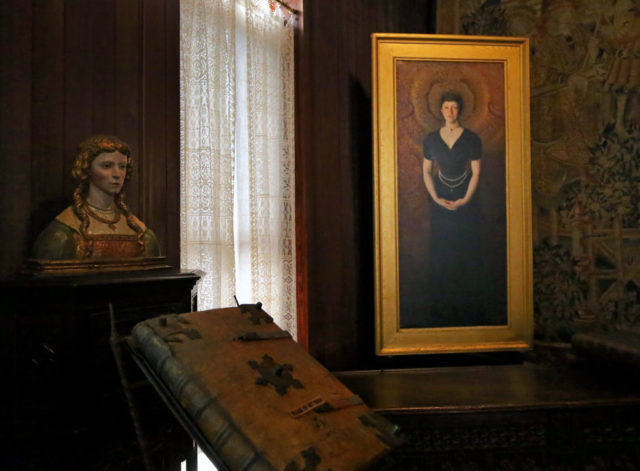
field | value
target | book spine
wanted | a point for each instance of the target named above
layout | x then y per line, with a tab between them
201	408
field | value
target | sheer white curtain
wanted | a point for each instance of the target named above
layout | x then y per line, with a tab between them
237	154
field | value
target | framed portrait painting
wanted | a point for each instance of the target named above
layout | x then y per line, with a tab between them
453	255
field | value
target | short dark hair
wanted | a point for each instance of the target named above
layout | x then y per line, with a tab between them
452	96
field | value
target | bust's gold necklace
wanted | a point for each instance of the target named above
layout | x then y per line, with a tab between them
110	222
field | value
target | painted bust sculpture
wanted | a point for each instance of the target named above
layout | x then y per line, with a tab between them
99	225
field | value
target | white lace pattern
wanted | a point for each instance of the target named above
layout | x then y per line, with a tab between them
237	154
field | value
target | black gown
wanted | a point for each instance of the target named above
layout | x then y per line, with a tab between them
455	275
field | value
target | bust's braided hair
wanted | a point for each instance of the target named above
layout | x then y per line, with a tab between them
81	171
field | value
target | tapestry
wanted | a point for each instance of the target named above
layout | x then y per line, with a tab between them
585	132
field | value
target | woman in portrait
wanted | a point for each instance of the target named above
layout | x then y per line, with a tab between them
99	225
451	172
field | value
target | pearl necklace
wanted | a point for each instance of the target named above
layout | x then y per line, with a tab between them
110	222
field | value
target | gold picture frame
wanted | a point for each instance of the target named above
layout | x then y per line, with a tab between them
479	269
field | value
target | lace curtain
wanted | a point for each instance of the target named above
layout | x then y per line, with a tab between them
237	154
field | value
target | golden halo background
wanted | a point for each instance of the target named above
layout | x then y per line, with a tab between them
480	85
428	106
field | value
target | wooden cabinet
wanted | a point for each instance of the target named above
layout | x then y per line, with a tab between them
65	395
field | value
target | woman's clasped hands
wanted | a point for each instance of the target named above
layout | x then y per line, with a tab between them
451	205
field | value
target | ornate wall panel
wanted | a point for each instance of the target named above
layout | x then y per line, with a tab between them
73	69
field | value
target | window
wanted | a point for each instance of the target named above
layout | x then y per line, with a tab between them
237	154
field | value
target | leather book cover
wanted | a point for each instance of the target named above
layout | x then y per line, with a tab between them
253	399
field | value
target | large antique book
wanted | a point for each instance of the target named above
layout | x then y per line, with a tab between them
253	399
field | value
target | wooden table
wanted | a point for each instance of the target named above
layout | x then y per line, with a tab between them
511	417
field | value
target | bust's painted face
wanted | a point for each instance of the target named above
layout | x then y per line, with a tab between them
108	171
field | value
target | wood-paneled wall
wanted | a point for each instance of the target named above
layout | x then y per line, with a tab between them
334	171
73	68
